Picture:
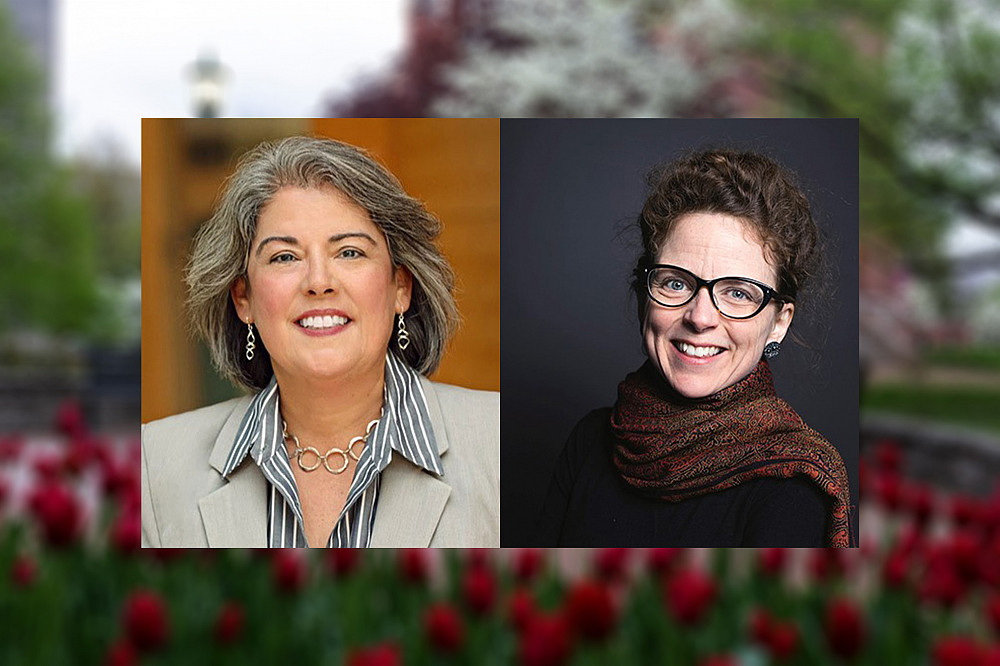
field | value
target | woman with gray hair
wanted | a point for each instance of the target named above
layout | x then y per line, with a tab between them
318	286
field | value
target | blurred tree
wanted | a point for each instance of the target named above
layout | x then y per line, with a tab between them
828	60
111	184
590	58
47	252
921	77
945	57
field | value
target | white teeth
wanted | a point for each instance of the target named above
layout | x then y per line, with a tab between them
691	350
326	321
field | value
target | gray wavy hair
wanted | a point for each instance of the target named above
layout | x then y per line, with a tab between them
221	246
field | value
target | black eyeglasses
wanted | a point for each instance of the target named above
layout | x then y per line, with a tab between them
733	297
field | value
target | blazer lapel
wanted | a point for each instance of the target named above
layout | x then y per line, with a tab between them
235	515
411	500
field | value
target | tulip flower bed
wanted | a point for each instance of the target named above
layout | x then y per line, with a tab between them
75	588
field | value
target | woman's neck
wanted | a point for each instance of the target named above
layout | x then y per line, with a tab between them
318	412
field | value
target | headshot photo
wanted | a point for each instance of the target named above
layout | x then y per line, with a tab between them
320	351
680	330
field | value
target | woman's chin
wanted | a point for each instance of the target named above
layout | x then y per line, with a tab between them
692	385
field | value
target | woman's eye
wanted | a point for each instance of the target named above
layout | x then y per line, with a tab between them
282	258
351	253
674	285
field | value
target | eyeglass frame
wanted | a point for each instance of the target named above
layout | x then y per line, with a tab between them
770	294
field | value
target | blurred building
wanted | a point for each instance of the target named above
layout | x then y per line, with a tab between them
36	21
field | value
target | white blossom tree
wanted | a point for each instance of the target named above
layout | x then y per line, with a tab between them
590	58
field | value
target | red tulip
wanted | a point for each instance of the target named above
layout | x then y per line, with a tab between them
964	510
343	561
229	623
527	564
611	563
546	642
772	561
965	549
70	420
989	655
689	594
920	503
889	490
780	638
993	611
413	565
784	640
663	560
477	558
955	651
521	609
379	655
145	620
844	628
48	467
941	582
888	455
11	447
827	563
58	513
121	654
479	589
895	569
289	570
760	626
444	628
126	533
718	660
23	571
590	610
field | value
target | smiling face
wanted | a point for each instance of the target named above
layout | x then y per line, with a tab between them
323	292
698	351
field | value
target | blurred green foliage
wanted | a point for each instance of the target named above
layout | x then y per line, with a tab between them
48	255
968	406
979	358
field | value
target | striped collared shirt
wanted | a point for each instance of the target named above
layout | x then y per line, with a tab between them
404	428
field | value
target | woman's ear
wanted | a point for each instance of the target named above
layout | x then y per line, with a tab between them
782	322
239	292
404	288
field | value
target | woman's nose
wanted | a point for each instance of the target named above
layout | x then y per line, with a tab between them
700	312
320	277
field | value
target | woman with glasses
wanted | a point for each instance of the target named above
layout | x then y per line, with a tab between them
698	449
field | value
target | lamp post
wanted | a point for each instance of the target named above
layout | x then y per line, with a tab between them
207	75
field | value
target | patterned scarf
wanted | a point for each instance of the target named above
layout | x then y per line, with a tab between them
672	448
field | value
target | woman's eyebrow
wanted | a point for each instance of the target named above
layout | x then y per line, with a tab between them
351	234
291	240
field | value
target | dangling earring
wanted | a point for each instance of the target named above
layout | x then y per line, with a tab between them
771	349
250	340
402	336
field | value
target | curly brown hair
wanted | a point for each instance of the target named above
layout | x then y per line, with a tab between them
749	186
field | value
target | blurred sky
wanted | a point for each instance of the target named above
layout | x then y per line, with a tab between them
121	60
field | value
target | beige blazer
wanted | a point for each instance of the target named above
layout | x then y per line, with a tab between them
186	503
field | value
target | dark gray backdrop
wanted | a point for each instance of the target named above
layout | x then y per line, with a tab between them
570	193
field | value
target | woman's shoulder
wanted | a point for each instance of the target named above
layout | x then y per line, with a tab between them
197	425
459	399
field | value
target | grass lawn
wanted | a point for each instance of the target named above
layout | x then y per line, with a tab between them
974	407
980	358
